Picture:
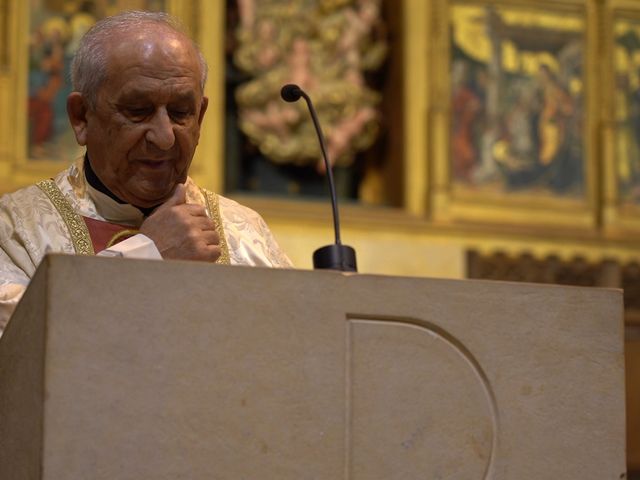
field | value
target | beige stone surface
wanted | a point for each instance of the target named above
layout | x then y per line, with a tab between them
171	370
632	363
22	358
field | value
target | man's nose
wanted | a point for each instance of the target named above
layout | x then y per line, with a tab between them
160	132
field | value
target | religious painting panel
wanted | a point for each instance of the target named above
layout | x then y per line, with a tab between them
335	51
37	41
55	28
627	108
518	99
622	211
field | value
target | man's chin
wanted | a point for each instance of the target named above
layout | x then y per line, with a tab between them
150	198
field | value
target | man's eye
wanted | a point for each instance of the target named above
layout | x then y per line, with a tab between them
138	113
180	113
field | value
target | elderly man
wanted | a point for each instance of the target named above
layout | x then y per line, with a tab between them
138	106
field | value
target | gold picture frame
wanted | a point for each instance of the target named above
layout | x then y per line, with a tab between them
530	182
4	35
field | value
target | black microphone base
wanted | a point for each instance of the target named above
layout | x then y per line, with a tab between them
335	257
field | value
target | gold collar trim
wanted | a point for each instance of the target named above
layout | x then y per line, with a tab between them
80	233
213	209
75	224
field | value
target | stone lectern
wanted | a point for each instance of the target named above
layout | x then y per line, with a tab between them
122	369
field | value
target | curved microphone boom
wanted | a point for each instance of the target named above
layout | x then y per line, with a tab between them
336	256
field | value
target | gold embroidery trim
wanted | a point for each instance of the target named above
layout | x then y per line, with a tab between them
213	209
122	235
75	224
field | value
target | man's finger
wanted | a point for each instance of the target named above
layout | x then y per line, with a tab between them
211	237
178	197
195	210
202	222
213	252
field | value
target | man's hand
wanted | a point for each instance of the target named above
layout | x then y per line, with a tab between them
182	231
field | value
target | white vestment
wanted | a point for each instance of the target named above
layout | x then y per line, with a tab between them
47	218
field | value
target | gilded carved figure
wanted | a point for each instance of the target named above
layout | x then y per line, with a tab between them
323	46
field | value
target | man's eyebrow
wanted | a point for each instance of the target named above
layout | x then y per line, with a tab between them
182	97
132	96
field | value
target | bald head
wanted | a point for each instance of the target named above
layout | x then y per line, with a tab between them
151	33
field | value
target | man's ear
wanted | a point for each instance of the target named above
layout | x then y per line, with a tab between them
203	109
77	113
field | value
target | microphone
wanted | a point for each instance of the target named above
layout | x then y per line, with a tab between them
336	256
291	93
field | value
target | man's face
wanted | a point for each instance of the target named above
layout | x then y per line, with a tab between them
145	126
